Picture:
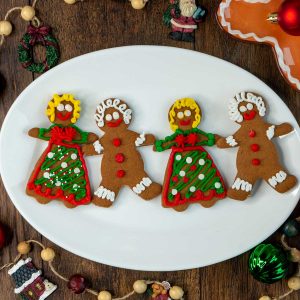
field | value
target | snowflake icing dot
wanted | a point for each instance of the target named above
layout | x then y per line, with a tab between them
73	156
178	157
192	189
50	155
201	176
58	183
76	170
201	162
182	173
64	164
217	185
189	160
174	192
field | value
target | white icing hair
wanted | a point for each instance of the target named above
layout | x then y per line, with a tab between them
115	103
234	113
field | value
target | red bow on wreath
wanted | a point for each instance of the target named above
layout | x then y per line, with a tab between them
37	33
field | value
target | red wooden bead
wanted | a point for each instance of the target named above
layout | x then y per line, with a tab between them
116	142
77	284
252	133
121	173
254	147
255	162
120	157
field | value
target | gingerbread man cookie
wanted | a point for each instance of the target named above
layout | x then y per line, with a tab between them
61	173
191	175
257	157
121	164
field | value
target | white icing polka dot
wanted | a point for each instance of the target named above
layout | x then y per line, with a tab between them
76	170
217	185
189	160
64	165
201	176
192	189
58	183
182	173
50	155
73	156
174	192
201	162
46	175
178	157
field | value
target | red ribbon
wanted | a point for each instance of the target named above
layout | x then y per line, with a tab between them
38	33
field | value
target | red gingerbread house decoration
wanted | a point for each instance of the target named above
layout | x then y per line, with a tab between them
30	285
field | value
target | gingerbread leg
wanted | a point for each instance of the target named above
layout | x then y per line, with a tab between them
280	181
241	187
145	188
39	199
106	194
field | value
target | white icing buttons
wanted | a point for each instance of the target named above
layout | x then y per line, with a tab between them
58	183
64	165
73	156
46	175
76	170
189	160
217	185
178	157
192	189
174	192
50	155
201	162
201	176
182	173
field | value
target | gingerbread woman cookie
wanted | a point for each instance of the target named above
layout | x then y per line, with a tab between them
191	174
257	156
121	164
61	173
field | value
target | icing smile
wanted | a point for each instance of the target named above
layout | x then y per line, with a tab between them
114	123
250	116
64	117
185	122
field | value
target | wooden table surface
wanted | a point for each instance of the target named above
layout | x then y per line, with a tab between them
98	24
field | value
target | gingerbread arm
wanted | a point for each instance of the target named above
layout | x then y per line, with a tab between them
92	149
279	130
40	133
228	142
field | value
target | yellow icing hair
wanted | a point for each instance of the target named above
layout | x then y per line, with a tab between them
53	103
184	102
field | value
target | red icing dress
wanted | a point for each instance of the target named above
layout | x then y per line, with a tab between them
191	174
61	172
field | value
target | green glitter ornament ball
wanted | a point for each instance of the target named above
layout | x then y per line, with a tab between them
268	263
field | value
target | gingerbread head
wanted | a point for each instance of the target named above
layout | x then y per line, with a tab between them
63	109
245	107
185	114
112	114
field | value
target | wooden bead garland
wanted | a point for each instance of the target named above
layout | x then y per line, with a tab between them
138	4
77	283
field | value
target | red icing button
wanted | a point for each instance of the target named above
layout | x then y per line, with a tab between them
193	168
120	173
185	180
254	147
119	157
175	179
255	162
116	142
252	133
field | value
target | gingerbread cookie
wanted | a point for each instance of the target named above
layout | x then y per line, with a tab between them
191	174
61	173
257	156
121	164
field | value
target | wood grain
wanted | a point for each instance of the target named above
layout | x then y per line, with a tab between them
95	25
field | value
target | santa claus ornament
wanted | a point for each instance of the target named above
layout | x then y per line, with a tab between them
183	16
254	21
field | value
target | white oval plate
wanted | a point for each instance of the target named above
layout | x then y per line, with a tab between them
136	234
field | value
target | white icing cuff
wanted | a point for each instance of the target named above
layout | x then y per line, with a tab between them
140	140
243	185
279	177
104	193
140	187
285	135
270	132
98	147
231	141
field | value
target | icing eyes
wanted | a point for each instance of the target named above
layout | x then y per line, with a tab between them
68	108
243	108
116	115
108	117
187	113
60	107
180	115
249	106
